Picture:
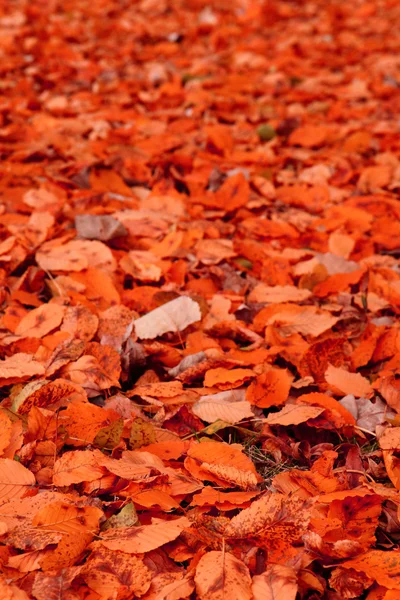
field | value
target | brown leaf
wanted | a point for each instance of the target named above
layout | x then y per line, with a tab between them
99	227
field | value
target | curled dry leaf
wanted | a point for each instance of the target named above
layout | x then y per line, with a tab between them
226	379
44	393
349	583
368	414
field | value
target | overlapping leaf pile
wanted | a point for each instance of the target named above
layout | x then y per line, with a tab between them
200	287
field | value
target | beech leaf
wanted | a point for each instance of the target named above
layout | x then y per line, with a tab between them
170	317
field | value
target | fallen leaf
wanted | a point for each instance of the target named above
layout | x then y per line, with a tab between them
293	415
230	407
348	383
99	227
269	389
16	481
278	582
221	573
134	540
173	316
226	379
40	321
221	463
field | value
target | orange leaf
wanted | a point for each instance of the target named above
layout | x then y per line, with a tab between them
347	383
16	481
230	407
221	463
173	316
76	467
134	540
293	414
76	255
278	582
278	293
80	322
380	566
270	388
40	321
276	521
329	403
18	367
221	574
309	136
226	379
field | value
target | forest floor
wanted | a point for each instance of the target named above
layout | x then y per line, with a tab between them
200	292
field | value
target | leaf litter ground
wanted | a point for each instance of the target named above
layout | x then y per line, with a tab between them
200	288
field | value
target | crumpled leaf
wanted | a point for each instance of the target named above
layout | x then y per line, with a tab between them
368	414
